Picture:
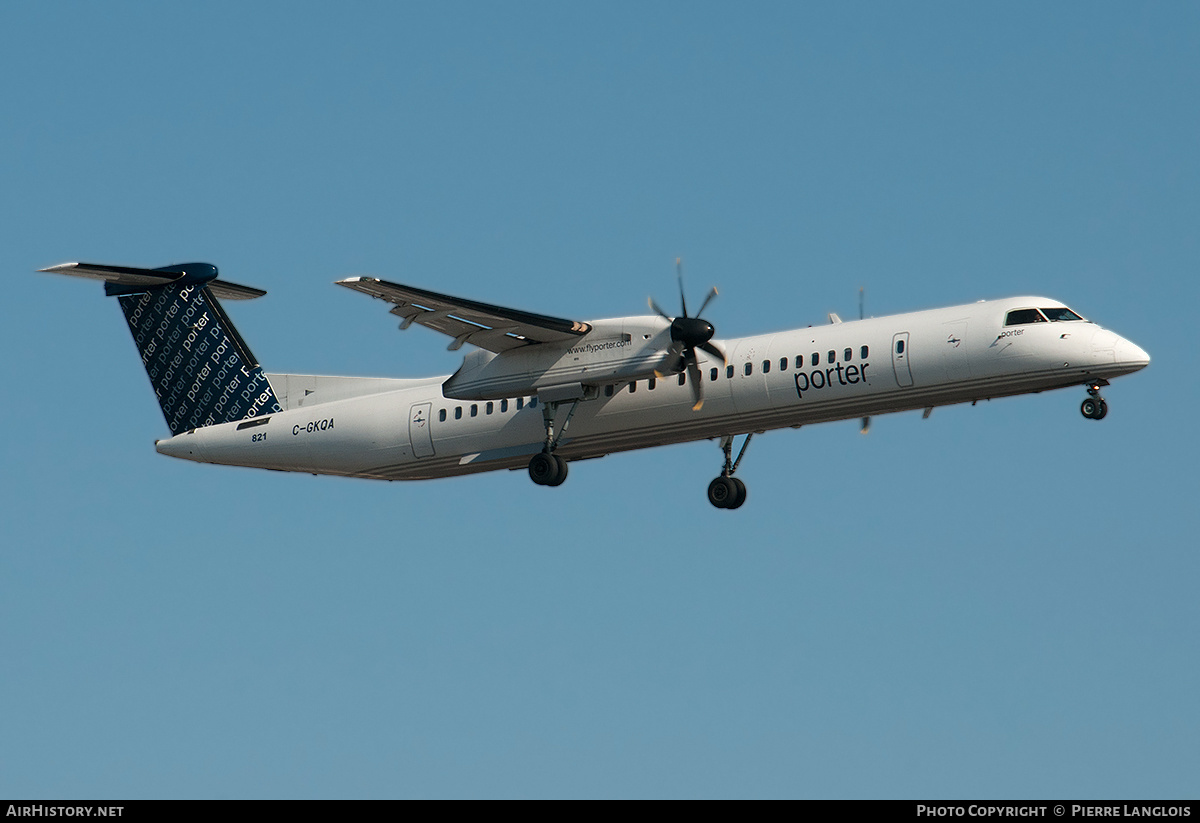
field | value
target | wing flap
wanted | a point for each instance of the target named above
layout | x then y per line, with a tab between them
494	328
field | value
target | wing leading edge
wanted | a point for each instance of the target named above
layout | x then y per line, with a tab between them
494	328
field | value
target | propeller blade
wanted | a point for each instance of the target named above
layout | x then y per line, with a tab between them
715	351
673	362
704	305
679	274
696	379
660	312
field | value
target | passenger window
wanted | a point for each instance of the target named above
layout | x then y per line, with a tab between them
489	407
749	369
799	361
650	384
712	374
863	352
682	378
783	364
729	371
503	406
832	355
474	409
847	354
442	416
633	387
816	359
520	403
458	412
766	367
1021	317
899	347
533	402
608	390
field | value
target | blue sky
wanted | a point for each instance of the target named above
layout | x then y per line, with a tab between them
995	602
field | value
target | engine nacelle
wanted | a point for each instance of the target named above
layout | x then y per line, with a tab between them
614	352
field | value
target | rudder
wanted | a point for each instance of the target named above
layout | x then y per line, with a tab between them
200	368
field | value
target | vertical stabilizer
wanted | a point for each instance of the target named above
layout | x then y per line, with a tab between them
200	368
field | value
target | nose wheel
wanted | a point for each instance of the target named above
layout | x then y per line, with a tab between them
727	491
1094	407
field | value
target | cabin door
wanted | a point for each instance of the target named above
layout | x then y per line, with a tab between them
900	360
420	425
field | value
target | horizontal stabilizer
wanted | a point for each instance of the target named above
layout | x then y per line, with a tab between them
120	280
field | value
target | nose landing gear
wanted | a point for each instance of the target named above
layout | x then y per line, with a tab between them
727	491
1094	407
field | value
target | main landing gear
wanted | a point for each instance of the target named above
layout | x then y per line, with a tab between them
1094	407
727	491
546	468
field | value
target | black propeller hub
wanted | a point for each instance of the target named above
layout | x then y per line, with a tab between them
691	331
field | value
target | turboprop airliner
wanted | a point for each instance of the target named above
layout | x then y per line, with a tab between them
542	392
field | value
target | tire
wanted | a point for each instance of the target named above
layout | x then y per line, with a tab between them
543	469
1102	411
560	471
1090	408
740	494
721	492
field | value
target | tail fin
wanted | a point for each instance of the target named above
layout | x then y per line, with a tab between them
200	368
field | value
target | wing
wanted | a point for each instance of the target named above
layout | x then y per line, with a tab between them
494	328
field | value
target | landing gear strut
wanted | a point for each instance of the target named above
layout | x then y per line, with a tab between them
727	491
546	468
1094	407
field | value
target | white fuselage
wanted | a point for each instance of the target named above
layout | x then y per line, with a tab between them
409	430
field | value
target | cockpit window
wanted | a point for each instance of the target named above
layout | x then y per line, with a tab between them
1022	316
1061	313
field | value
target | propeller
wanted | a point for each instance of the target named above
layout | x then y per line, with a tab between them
687	335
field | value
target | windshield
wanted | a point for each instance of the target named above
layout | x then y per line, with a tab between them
1061	313
1022	316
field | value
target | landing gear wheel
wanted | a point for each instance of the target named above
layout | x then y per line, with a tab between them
544	469
741	494
1094	408
722	492
547	469
560	471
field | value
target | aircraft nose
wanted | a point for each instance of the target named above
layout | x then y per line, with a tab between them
1130	354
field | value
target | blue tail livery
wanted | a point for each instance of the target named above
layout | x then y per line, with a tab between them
200	368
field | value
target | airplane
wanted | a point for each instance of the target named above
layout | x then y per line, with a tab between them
542	392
